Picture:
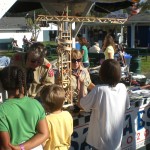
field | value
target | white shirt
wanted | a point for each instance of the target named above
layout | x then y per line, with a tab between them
108	107
94	49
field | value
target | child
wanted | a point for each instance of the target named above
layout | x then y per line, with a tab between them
21	118
60	122
108	103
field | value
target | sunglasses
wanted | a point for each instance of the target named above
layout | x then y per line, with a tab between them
74	60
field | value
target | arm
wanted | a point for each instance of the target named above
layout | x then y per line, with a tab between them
110	50
47	75
87	81
41	136
4	141
110	56
91	86
82	52
81	92
88	102
49	79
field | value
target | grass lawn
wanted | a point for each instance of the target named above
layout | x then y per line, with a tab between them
145	66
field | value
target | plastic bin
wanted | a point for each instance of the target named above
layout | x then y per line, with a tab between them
136	65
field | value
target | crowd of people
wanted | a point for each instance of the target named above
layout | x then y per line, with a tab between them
110	49
32	117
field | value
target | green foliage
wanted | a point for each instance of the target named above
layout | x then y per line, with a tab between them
51	43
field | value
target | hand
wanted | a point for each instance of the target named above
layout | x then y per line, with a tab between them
16	147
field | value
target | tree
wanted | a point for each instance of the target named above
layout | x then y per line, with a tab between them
33	26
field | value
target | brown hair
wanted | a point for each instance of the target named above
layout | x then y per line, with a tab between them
53	97
38	49
108	41
83	41
76	54
110	72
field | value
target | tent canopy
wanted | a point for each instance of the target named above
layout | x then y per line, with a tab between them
104	6
110	7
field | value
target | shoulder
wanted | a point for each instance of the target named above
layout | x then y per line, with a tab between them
47	64
33	101
102	88
84	70
84	47
66	113
121	85
110	47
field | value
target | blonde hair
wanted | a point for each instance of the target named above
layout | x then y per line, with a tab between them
76	54
53	96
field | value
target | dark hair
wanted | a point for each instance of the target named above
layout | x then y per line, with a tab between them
83	41
53	96
38	49
110	72
13	78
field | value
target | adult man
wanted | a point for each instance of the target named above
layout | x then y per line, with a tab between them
38	69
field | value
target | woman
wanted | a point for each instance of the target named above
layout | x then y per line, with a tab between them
79	73
109	47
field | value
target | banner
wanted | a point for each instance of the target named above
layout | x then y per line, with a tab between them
136	132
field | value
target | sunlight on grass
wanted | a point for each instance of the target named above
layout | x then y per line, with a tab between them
145	66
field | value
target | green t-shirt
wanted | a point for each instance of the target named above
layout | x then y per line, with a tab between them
85	56
19	118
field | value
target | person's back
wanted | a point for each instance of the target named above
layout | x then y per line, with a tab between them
21	118
60	122
109	51
61	128
108	113
108	103
16	115
109	47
